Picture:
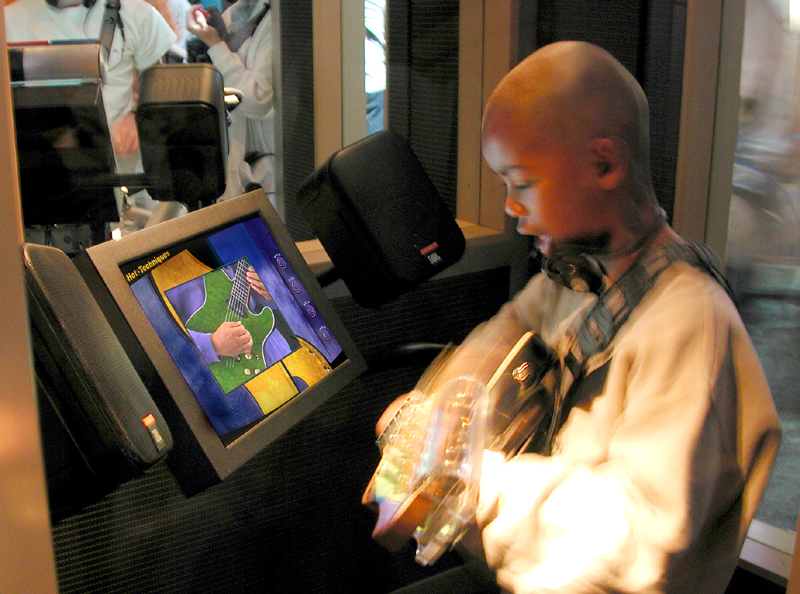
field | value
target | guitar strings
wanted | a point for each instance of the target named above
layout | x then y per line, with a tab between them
239	295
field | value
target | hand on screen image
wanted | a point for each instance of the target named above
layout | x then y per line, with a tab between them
231	339
256	284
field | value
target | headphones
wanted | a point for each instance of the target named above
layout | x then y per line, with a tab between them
574	264
571	266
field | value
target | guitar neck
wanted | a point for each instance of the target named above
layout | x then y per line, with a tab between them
240	292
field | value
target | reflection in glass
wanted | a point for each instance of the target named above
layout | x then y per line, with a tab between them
763	251
238	41
239	44
147	38
61	129
375	63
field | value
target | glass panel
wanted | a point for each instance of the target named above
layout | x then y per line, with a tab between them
132	39
375	63
764	229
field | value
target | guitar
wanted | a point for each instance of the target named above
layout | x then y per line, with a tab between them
426	484
226	300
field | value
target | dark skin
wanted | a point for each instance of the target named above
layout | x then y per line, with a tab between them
562	152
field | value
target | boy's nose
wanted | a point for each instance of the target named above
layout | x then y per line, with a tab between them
514	208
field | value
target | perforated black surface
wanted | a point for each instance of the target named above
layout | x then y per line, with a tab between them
297	81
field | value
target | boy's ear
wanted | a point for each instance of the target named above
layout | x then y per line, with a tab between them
611	160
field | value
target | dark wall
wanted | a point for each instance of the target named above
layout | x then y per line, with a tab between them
422	83
647	36
297	85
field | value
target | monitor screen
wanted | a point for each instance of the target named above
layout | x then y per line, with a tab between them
228	327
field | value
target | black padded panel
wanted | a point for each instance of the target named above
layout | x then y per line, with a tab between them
94	402
297	120
422	71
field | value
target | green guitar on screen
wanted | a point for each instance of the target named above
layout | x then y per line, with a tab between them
227	301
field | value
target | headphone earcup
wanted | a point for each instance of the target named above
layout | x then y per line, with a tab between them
576	271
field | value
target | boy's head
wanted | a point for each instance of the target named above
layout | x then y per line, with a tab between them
567	130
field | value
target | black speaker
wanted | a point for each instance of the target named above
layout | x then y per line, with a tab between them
183	132
100	426
380	218
63	142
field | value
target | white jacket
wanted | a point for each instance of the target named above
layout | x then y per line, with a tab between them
249	70
659	467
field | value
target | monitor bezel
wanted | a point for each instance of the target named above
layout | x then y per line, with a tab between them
195	438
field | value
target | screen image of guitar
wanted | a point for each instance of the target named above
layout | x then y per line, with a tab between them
228	300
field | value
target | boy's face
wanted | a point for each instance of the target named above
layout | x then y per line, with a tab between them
551	184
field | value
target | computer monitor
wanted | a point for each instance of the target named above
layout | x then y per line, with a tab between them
167	289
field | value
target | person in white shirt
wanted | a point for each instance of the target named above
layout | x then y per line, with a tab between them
241	49
668	434
140	40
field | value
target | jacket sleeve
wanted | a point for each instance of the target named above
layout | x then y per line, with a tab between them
203	343
541	307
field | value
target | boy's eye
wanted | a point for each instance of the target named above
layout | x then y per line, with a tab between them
523	186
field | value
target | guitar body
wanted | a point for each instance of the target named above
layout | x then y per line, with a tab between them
521	398
222	305
520	401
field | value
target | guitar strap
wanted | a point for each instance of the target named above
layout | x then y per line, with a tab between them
236	40
110	21
595	332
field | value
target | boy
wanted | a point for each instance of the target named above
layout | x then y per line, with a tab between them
668	432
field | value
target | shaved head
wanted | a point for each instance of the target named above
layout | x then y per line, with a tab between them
579	92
